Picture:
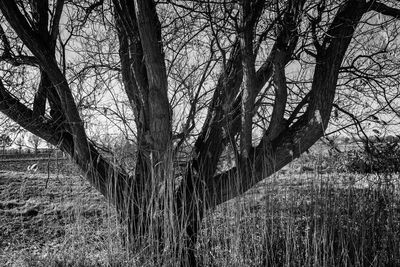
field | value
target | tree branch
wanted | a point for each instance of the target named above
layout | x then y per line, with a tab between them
249	15
106	178
273	155
160	128
277	123
18	112
42	51
224	108
385	10
54	30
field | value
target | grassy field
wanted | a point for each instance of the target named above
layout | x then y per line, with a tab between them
294	218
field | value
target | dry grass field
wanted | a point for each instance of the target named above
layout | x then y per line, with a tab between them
291	219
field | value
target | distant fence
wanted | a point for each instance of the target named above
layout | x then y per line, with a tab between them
23	154
44	165
47	160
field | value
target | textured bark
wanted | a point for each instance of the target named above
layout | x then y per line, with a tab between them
160	130
39	103
132	64
209	145
246	32
278	123
145	81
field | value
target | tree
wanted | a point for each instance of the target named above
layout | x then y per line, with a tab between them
35	142
20	141
5	141
258	77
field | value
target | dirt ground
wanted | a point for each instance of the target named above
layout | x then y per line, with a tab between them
37	211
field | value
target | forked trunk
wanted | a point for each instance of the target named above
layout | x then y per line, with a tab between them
162	214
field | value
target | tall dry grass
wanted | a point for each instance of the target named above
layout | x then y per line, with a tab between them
289	219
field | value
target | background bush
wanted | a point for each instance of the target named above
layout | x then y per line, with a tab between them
375	157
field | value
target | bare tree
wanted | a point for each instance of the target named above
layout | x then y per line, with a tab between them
20	141
5	141
258	77
35	142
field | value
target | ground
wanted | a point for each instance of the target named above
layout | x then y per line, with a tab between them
42	215
295	218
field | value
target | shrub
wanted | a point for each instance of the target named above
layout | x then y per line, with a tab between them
376	157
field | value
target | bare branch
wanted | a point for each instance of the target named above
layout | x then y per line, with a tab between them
385	10
250	13
55	21
273	155
46	58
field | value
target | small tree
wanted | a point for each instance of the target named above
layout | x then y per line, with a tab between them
5	141
20	142
35	142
